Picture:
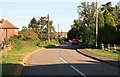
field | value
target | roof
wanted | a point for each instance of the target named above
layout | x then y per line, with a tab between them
63	33
5	24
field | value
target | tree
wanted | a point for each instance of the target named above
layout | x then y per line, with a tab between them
101	20
43	23
33	24
109	28
100	28
87	13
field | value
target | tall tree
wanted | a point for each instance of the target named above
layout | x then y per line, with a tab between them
43	22
109	28
87	13
33	24
100	28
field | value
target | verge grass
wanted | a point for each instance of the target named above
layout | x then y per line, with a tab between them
110	54
12	59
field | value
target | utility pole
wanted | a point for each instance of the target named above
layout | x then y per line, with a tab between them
96	23
48	29
58	30
61	32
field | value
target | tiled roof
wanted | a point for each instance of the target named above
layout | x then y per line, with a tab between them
4	24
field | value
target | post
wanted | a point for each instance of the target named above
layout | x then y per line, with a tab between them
96	23
48	29
108	47
61	32
58	30
115	47
102	46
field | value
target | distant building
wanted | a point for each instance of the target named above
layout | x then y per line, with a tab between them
61	34
7	30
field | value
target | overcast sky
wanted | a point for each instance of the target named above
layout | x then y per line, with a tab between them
62	12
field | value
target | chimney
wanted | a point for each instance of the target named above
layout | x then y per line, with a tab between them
2	21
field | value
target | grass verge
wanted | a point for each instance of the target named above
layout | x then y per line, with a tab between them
12	59
110	54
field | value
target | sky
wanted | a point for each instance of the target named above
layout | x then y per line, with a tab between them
62	12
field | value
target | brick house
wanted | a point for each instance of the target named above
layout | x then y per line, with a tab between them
7	30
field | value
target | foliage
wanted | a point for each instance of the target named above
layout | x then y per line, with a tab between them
108	24
40	27
84	27
13	58
27	34
33	24
17	44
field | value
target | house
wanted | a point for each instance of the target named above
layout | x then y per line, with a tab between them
7	30
61	34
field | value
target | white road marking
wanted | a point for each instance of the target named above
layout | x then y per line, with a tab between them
71	65
78	71
63	60
58	54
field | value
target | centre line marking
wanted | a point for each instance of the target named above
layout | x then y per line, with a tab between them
63	60
78	71
71	65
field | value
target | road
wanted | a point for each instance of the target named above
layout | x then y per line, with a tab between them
64	60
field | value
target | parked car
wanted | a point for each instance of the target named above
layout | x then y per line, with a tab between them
75	42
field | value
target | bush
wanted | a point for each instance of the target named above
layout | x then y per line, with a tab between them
17	44
6	42
27	34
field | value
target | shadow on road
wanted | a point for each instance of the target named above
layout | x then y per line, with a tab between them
65	46
91	68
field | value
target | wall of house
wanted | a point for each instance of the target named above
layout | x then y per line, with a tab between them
0	36
11	32
7	33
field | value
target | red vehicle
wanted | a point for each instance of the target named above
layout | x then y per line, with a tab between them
75	42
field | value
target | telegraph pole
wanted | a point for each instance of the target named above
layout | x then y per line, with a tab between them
58	30
61	32
48	29
96	23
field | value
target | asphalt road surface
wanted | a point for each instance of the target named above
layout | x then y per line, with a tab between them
64	60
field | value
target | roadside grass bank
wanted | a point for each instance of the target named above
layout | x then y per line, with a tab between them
14	57
110	54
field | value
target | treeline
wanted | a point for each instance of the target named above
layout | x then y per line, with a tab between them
108	24
37	30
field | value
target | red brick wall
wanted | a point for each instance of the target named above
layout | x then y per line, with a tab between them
7	33
11	32
0	36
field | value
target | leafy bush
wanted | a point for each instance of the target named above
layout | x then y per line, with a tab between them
27	34
17	44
